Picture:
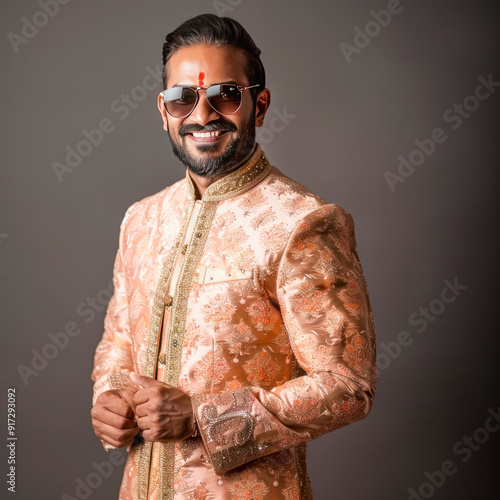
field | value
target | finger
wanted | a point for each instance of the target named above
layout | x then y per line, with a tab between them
148	435
110	418
142	411
113	436
144	423
110	443
112	401
128	396
140	397
142	381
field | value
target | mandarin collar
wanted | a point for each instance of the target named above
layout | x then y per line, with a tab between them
235	183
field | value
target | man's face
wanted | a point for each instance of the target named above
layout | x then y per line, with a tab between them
203	66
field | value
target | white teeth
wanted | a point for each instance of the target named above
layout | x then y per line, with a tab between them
207	134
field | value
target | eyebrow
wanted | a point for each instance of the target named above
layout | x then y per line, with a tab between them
232	82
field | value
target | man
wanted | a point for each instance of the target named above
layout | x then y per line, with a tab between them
240	326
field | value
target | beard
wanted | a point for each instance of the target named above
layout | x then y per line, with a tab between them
211	165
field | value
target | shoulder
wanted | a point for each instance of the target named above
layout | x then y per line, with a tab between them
281	186
305	207
149	207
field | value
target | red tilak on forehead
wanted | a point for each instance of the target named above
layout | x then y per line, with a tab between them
201	77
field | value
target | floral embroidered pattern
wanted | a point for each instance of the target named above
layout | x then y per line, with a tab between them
226	219
232	241
287	271
328	265
275	237
306	409
334	325
262	369
263	218
187	447
292	493
306	245
340	241
242	258
181	477
264	316
253	200
278	464
219	311
299	204
233	385
281	185
191	338
211	368
353	299
357	351
200	492
240	340
248	488
316	355
308	301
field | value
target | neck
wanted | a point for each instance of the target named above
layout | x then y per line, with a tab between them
201	184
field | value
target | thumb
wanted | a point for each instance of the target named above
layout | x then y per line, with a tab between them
142	381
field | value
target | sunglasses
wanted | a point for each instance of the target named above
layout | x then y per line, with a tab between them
225	99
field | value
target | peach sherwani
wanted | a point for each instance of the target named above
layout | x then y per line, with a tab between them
251	300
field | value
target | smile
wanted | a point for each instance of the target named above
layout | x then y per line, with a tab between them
207	134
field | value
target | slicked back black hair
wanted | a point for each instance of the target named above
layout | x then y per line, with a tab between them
209	29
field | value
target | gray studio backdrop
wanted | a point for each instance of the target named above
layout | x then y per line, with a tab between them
388	108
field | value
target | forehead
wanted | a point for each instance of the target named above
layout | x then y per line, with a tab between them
219	64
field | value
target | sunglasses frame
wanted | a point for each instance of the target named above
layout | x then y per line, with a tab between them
241	88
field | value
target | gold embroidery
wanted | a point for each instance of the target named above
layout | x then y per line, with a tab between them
233	429
233	184
145	449
209	274
175	332
239	181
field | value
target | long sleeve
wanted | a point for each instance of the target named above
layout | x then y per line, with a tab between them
323	300
113	356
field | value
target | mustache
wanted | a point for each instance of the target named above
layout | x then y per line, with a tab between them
209	127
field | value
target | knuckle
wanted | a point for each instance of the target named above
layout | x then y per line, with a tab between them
123	424
121	437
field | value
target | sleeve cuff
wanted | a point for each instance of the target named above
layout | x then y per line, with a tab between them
112	381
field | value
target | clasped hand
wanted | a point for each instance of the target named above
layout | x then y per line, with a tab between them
158	411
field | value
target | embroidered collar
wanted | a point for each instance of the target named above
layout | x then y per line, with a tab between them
237	182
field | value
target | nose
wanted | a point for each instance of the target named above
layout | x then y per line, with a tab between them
203	112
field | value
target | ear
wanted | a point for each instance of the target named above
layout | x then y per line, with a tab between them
163	112
262	104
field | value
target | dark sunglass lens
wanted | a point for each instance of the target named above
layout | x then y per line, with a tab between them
225	99
179	101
